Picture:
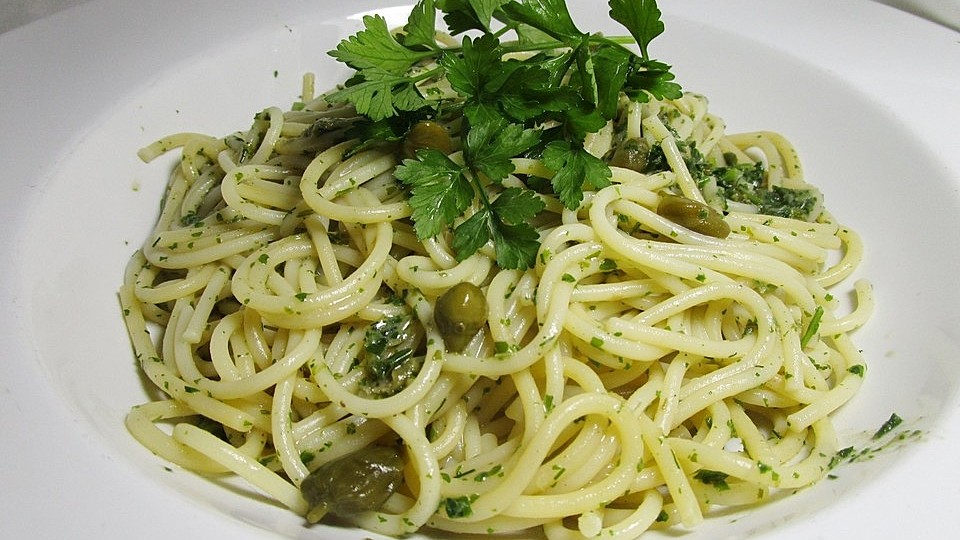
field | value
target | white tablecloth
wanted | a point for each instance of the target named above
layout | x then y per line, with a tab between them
14	13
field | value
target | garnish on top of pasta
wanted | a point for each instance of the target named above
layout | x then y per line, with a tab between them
494	285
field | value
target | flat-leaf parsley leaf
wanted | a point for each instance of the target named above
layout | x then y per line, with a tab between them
537	97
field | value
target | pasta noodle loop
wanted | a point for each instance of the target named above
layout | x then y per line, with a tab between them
641	373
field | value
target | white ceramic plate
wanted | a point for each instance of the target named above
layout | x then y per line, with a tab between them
868	94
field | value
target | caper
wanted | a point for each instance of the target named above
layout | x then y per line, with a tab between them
460	313
355	483
631	154
426	134
693	215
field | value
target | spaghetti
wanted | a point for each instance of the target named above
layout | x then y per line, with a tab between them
639	374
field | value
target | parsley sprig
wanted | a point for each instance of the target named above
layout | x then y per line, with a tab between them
542	104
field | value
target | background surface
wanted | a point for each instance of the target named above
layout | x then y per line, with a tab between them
14	13
875	77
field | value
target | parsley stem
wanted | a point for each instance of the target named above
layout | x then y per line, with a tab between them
516	46
427	74
812	327
503	30
481	191
622	40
